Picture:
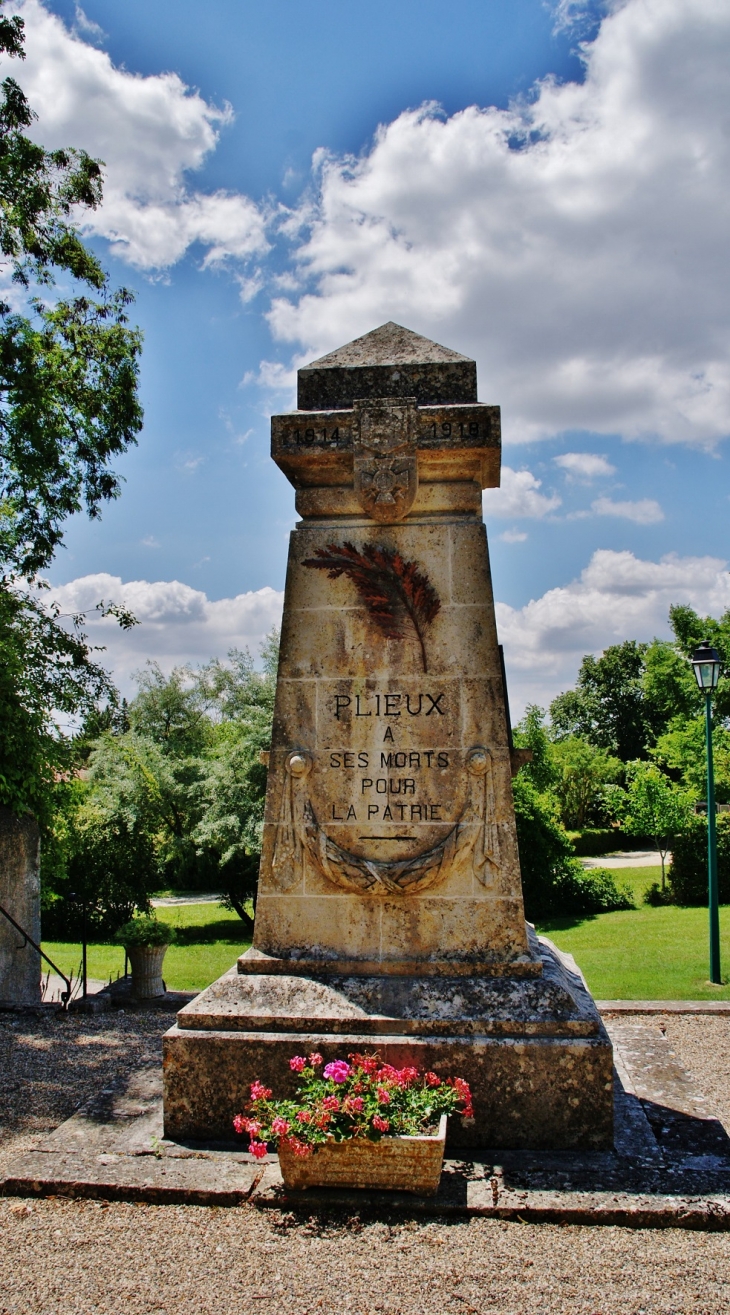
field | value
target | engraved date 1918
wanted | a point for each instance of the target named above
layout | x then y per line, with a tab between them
460	429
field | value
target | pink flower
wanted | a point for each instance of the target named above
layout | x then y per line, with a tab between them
258	1149
465	1097
279	1127
298	1147
304	1116
368	1063
331	1103
297	1063
383	1096
356	1104
338	1070
315	1059
387	1074
242	1124
259	1092
382	1125
407	1076
433	1079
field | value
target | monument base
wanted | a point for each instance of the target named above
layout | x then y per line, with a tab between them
534	1050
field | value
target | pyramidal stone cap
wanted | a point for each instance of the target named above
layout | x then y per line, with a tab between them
388	362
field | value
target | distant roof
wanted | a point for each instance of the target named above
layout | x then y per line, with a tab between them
391	344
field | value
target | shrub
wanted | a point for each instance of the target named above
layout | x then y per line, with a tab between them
590	890
655	897
553	881
145	931
688	873
591	842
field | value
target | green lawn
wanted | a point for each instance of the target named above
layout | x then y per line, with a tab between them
640	954
644	953
213	940
637	879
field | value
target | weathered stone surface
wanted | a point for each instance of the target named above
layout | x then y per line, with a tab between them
393	1164
534	1050
529	1092
555	1003
114	1149
20	894
394	760
388	362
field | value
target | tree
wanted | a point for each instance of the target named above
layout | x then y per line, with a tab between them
652	806
608	706
681	754
530	734
553	880
173	794
68	407
232	792
689	631
581	772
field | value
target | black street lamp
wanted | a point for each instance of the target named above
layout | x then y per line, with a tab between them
706	664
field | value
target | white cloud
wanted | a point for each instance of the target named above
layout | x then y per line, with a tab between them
584	465
150	131
518	496
86	26
513	536
643	512
177	624
575	243
618	596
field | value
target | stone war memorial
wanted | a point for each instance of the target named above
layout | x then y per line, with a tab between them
390	915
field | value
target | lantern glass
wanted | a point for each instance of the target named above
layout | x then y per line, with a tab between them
706	666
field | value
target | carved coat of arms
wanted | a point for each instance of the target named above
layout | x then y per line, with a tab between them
385	461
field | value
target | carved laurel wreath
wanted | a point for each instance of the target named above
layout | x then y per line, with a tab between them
474	839
393	590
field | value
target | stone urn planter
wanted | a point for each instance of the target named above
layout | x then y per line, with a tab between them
393	1164
146	963
146	942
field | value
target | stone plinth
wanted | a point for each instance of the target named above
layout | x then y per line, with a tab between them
534	1050
20	894
390	901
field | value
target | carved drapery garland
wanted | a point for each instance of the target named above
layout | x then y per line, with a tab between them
474	838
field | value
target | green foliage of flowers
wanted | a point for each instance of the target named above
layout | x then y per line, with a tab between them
145	931
361	1098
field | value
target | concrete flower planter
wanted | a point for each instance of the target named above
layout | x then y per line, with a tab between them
146	961
393	1164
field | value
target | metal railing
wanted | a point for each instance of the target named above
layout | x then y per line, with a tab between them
28	940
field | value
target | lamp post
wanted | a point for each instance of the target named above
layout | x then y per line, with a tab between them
706	664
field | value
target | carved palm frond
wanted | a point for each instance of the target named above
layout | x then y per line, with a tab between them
393	590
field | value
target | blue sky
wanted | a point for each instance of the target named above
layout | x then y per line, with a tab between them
277	186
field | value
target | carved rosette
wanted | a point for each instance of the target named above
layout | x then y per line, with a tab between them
474	840
385	463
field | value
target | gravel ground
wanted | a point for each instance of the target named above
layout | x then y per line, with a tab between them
51	1062
702	1045
63	1257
